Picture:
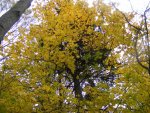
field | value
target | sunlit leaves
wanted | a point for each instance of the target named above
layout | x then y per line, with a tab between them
64	65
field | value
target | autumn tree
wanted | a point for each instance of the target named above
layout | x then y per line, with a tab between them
132	86
68	62
140	48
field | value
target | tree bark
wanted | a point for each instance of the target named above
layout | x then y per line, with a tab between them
12	16
77	87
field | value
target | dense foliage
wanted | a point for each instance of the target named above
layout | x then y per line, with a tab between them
69	63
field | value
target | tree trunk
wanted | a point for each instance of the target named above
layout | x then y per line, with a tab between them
12	16
77	87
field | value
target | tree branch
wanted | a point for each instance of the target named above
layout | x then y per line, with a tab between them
12	16
136	52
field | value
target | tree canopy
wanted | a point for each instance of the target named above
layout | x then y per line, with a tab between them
71	62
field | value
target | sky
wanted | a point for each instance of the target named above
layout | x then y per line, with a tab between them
138	5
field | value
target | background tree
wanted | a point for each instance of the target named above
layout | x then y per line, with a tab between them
134	82
140	48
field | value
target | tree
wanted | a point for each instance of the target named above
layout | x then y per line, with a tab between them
140	34
134	80
68	63
66	53
12	16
